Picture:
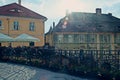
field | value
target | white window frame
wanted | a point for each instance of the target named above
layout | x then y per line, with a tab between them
32	26
15	25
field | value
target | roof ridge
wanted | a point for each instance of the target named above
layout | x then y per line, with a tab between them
88	13
88	22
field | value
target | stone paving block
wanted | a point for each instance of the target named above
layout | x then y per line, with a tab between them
20	72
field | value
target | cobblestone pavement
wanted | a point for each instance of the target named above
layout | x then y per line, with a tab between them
19	72
15	72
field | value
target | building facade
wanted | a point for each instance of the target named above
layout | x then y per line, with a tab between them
15	19
88	31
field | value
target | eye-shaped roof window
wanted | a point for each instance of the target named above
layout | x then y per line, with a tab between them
15	10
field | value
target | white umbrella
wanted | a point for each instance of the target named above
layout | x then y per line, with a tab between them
5	38
26	38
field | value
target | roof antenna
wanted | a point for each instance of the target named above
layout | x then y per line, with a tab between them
19	2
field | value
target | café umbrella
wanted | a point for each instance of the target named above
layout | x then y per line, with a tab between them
26	38
5	38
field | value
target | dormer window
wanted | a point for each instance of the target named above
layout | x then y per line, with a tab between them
20	10
79	26
100	26
15	10
12	10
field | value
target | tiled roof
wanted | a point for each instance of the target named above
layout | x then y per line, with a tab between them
17	10
88	22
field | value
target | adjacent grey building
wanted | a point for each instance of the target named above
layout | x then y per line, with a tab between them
88	31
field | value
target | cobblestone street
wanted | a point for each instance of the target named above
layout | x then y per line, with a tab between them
15	72
19	72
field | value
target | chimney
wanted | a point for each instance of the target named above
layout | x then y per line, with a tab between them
67	12
53	24
110	14
19	2
98	11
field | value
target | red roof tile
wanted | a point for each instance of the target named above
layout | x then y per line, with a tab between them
17	10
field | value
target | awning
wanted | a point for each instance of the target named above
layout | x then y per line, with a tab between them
26	38
5	38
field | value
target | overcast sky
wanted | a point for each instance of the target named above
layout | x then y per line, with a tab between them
54	10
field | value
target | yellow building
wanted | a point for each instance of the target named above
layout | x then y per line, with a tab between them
87	31
15	19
